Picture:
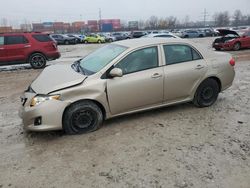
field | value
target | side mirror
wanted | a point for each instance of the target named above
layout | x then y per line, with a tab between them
116	72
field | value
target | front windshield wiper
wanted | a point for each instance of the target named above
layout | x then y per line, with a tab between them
77	67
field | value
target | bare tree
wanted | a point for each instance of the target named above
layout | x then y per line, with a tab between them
237	18
153	22
172	22
4	22
222	19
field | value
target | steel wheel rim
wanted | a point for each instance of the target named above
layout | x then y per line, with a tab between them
207	93
83	119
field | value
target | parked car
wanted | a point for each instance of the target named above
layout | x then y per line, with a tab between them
192	34
231	40
64	39
93	38
162	35
210	32
33	48
108	37
120	36
125	77
78	38
138	34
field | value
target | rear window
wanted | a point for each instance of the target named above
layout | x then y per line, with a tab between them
17	39
42	38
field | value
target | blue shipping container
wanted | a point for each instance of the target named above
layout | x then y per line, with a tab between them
107	27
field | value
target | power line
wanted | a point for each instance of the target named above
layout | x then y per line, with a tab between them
205	15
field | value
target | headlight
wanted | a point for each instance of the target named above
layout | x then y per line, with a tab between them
38	99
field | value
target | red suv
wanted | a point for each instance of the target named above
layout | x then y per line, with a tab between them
34	48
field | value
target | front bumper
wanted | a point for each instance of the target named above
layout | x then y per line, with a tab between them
50	113
223	46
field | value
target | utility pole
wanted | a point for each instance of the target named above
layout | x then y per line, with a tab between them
100	18
205	15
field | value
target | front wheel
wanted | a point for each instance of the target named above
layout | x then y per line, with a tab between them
207	93
236	46
82	117
99	41
37	61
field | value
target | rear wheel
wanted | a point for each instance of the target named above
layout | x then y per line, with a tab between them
85	42
236	46
110	40
82	117
207	93
66	42
99	41
37	61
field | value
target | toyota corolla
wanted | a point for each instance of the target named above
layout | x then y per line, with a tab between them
124	77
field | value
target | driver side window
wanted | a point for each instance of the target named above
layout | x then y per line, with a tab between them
139	60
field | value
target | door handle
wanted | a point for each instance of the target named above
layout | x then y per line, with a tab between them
156	75
198	67
27	46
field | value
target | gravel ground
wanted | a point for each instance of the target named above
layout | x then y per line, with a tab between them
180	146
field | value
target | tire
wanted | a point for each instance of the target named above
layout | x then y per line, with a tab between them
37	61
207	93
82	117
201	36
99	41
186	36
85	42
217	49
110	40
236	46
66	42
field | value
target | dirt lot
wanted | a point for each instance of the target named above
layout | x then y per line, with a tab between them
180	146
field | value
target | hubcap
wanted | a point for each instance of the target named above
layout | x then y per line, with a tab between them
38	61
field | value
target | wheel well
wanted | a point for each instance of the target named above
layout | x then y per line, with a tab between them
217	80
94	101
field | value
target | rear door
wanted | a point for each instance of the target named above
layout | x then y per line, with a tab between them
16	47
183	70
3	53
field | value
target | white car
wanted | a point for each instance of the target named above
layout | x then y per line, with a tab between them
161	35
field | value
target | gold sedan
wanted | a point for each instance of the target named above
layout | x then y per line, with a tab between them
125	77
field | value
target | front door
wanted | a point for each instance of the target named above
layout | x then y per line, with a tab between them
184	69
141	84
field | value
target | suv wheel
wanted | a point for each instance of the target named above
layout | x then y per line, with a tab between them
37	61
82	117
207	93
66	42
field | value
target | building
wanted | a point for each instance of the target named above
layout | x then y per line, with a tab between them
78	27
6	29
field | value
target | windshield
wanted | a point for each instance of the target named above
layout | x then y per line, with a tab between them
97	60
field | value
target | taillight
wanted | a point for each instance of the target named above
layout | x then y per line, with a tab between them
55	46
232	62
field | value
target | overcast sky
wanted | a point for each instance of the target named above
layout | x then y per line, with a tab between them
71	10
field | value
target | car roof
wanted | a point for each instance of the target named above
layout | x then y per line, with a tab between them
136	43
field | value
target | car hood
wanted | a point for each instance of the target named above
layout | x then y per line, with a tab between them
225	32
56	77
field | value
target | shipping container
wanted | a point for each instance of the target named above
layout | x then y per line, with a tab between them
107	27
